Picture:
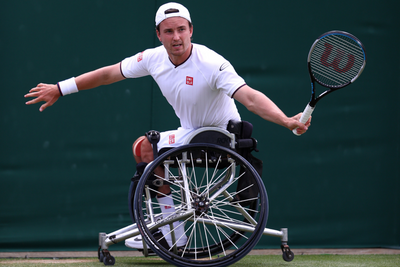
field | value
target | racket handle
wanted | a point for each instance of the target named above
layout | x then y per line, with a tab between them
304	117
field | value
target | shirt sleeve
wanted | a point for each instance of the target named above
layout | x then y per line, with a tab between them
227	79
135	66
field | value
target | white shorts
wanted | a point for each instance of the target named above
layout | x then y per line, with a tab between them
173	138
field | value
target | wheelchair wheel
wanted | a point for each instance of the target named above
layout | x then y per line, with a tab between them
203	180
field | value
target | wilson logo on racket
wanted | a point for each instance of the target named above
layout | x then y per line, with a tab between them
339	56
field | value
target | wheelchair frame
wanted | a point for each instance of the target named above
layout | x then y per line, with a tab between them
222	141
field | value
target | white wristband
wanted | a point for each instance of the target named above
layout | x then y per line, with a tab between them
68	87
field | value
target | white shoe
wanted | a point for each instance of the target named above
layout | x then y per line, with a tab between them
137	241
134	242
180	236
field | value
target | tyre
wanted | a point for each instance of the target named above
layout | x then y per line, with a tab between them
109	260
203	179
288	256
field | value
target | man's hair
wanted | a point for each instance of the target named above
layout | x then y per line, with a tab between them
171	10
158	26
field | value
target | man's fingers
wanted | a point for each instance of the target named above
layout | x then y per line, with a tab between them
43	107
33	101
47	104
32	94
37	98
301	130
308	123
36	89
29	102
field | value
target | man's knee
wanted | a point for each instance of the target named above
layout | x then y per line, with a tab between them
137	146
142	149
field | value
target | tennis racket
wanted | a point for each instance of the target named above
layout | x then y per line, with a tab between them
336	59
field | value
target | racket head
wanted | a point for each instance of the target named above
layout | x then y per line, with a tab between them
336	59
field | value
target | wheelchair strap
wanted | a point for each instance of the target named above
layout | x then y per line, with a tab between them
247	143
243	131
154	138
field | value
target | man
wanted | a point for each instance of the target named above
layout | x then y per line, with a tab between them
199	84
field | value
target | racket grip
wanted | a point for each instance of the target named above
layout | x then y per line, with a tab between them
304	117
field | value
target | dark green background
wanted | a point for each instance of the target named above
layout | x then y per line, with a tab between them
65	172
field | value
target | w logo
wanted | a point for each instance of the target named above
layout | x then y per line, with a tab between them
336	61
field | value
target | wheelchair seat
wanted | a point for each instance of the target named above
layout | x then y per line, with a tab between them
208	135
236	137
212	135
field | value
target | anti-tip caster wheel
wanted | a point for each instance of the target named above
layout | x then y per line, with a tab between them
109	260
287	255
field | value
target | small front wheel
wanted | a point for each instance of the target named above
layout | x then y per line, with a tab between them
109	260
288	255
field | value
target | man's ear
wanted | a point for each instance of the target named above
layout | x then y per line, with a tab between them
158	35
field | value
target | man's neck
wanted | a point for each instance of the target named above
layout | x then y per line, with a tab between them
179	60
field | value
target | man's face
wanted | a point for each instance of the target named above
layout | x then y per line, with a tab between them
175	34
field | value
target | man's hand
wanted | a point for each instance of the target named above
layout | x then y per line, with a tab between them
48	93
295	123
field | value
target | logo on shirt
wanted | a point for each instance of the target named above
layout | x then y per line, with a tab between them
140	57
171	139
189	80
224	65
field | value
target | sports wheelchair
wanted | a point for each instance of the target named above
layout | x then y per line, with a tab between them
218	195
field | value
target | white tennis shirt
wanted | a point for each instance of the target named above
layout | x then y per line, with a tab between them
200	90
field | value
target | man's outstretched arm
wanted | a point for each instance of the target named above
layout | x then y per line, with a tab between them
49	93
260	104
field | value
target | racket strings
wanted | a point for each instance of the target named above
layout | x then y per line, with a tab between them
330	77
336	60
358	59
338	75
348	44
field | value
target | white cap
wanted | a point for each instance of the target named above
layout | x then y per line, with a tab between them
169	10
